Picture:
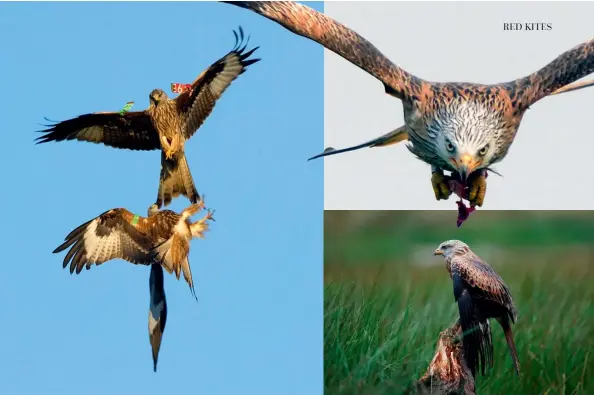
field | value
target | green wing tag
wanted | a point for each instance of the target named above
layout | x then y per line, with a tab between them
135	220
126	108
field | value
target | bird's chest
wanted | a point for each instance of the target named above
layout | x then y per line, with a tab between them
166	121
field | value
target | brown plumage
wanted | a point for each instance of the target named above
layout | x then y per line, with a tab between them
157	311
481	294
458	127
166	124
162	237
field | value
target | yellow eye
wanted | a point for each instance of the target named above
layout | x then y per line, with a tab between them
483	150
449	146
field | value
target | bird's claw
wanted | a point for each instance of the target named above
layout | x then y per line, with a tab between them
477	188
440	183
210	216
169	154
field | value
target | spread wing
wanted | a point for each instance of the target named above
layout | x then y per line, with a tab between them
131	130
338	38
107	237
568	67
476	330
197	104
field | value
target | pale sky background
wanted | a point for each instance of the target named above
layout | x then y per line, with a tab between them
257	329
548	165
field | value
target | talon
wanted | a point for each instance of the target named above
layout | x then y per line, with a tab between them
440	184
477	188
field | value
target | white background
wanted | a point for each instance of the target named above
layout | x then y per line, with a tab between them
547	167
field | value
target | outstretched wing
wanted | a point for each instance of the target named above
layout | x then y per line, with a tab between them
338	38
476	331
104	238
196	104
574	87
131	130
394	137
568	67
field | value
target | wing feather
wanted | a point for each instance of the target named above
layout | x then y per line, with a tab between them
197	104
132	130
107	237
338	38
568	67
476	331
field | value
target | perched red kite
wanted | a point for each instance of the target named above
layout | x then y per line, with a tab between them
481	294
163	237
166	124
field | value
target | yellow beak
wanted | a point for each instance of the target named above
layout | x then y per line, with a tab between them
437	252
467	165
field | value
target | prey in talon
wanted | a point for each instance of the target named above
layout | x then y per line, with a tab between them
473	190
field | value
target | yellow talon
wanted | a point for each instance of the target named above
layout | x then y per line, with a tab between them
477	188
440	185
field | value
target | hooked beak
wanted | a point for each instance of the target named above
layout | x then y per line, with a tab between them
438	252
467	165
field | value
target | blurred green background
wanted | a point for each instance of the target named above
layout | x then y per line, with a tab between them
387	297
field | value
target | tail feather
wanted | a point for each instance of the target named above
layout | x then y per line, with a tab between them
173	256
512	349
176	179
509	337
157	312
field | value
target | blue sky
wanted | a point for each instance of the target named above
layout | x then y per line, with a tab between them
257	328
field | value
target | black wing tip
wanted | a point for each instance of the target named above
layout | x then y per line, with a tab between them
241	44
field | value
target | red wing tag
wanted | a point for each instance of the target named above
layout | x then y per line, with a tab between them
180	88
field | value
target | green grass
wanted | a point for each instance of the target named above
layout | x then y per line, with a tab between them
381	337
383	317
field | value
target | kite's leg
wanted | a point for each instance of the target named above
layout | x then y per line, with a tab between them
168	148
477	188
173	147
439	181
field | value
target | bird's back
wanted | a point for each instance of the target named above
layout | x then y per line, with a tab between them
162	225
488	289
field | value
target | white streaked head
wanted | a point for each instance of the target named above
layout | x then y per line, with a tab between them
467	136
451	247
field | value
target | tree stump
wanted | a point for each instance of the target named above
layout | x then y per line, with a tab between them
448	374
